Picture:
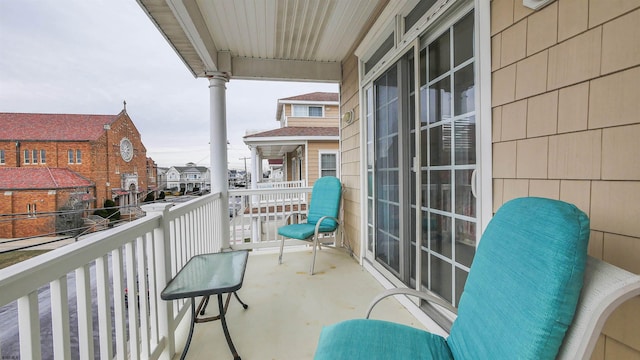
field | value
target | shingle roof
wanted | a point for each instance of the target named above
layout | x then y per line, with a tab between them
314	96
295	131
61	127
16	178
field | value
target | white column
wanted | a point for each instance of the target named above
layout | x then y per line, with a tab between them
255	164
255	200
218	147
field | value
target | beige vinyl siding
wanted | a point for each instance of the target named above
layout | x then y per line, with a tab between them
566	99
314	149
312	122
350	154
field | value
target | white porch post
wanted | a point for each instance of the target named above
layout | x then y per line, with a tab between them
218	147
255	228
256	168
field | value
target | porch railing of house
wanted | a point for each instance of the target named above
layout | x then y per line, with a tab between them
102	280
256	214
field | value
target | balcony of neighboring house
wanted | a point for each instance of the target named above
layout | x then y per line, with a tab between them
83	291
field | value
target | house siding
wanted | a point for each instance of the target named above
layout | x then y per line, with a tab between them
350	154
314	148
565	110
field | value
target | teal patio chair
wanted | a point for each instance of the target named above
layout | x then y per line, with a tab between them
322	216
519	299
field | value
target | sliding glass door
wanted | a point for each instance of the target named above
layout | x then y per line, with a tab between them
421	170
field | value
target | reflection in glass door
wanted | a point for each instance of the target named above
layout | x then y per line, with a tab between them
448	159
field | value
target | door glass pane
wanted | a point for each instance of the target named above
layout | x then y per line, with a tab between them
465	241
465	202
440	145
465	138
461	279
441	278
440	194
441	235
464	89
439	56
463	40
440	100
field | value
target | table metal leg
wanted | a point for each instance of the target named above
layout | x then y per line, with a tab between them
193	322
245	306
225	329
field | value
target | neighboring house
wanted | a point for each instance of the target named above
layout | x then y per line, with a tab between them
449	109
162	178
106	149
188	178
306	146
39	200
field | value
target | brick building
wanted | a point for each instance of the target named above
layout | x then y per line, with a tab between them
105	149
33	199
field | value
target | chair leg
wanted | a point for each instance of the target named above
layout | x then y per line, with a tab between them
281	250
315	246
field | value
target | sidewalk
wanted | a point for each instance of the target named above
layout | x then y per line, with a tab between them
10	244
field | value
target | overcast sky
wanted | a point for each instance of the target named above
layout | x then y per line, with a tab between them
87	56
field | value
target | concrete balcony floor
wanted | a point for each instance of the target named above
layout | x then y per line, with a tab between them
288	307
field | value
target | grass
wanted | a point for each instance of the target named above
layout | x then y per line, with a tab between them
14	257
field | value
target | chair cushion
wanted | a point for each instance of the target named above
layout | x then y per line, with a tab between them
376	339
524	283
325	201
297	231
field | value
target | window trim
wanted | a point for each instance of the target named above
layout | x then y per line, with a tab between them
70	157
307	107
43	156
27	157
2	157
336	153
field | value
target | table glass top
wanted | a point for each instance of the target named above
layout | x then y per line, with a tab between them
208	274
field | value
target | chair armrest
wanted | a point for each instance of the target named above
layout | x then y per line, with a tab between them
411	292
286	219
319	222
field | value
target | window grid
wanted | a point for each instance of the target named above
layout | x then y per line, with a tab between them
27	157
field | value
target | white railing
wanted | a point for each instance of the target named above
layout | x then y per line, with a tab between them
277	196
282	184
107	274
256	214
87	298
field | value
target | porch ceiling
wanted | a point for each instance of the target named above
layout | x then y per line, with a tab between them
275	151
301	40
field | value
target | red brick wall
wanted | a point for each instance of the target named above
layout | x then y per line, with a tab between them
19	223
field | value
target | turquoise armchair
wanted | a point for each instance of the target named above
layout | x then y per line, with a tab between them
518	302
321	219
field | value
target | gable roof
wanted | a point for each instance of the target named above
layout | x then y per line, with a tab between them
19	178
310	98
295	131
60	127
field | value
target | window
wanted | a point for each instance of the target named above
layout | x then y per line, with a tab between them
27	157
31	210
328	164
2	157
79	156
35	156
307	111
70	154
43	156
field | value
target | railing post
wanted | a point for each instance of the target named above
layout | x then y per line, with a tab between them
162	238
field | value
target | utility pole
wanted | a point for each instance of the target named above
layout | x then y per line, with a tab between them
246	175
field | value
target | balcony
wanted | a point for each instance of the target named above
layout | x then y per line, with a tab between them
75	301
